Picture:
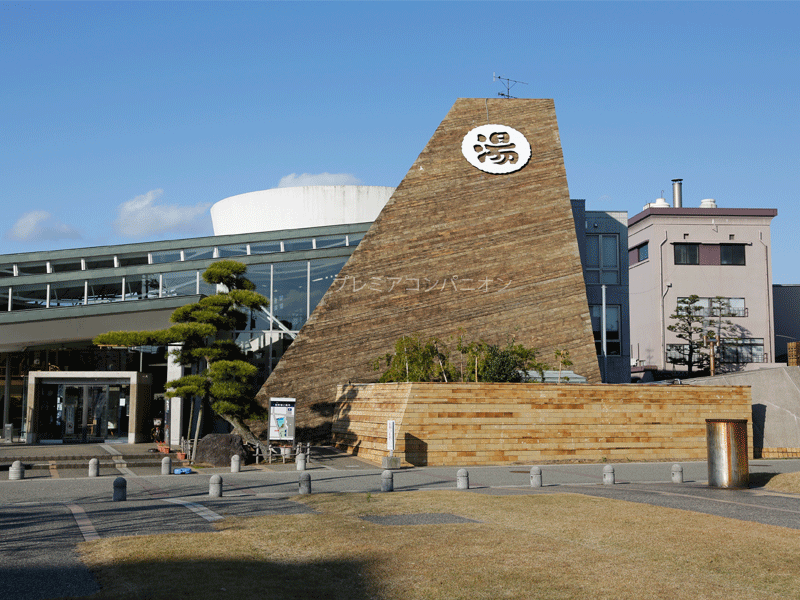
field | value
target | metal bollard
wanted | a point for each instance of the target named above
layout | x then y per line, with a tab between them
677	474
215	486
305	482
17	470
462	479
536	477
236	463
387	481
301	462
608	475
308	452
166	465
94	467
728	465
120	490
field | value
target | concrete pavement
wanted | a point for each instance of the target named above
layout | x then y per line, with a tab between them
44	516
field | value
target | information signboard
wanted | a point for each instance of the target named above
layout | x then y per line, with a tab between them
390	437
281	419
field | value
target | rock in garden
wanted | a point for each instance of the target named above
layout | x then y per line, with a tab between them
218	448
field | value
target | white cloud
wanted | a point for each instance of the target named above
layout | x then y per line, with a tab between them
295	180
40	226
141	216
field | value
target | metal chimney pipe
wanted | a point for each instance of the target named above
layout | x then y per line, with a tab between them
677	197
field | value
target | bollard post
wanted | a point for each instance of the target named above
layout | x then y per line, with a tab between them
301	462
120	490
308	452
215	486
166	465
608	475
677	474
536	477
728	465
94	467
17	470
236	463
462	479
305	482
387	481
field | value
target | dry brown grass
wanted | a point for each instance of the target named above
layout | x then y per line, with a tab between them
785	482
534	546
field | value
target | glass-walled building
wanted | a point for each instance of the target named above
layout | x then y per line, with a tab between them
53	303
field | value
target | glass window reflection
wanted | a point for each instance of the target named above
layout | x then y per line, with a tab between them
289	295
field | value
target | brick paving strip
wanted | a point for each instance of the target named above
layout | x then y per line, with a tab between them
208	514
88	531
118	459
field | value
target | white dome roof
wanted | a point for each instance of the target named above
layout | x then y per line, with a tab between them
299	207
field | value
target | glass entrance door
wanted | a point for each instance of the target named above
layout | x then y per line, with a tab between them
96	421
72	398
50	425
78	412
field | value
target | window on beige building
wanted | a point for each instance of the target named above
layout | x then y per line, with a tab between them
687	254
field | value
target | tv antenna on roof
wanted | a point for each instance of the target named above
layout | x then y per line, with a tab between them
509	83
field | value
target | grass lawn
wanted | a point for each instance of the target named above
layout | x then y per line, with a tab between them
549	546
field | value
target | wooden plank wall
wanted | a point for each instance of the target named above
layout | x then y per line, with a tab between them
793	352
495	423
455	250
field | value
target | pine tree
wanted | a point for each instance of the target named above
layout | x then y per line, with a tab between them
689	324
206	331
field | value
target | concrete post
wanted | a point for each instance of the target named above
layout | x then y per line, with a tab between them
462	479
120	490
301	461
166	465
94	467
387	481
308	452
7	401
536	477
215	486
236	463
677	474
608	475
17	470
305	482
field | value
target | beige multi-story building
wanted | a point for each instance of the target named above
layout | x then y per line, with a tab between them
721	255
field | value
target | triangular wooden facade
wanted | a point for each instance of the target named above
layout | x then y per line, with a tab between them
455	250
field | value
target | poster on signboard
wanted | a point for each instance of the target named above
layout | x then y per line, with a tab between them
281	419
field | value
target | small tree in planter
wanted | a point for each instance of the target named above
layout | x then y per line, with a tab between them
416	359
562	358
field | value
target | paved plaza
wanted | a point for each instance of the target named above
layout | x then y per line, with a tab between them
57	505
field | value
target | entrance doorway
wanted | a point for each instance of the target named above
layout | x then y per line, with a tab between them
83	412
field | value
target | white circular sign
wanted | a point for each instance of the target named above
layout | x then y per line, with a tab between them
496	149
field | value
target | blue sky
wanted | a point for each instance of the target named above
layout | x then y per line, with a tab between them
124	122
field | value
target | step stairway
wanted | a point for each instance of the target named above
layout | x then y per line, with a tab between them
107	461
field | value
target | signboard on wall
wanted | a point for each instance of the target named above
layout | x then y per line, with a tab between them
390	439
496	149
281	419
